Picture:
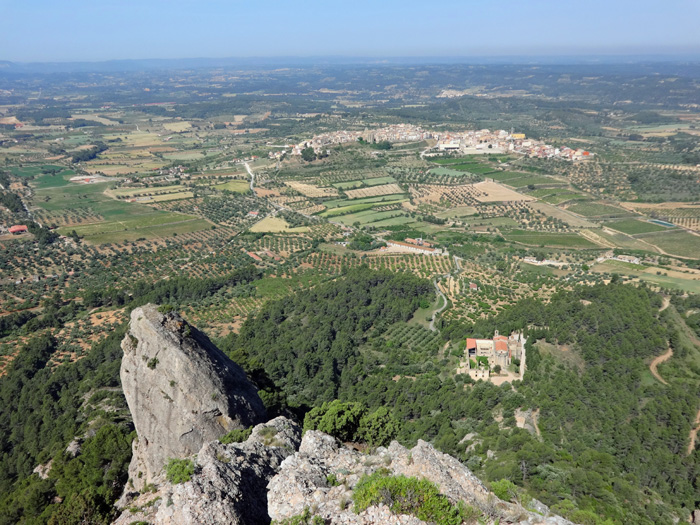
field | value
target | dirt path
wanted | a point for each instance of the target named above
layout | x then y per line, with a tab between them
436	312
694	434
596	239
657	361
535	421
666	301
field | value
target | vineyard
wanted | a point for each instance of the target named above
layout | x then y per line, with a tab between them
421	265
412	339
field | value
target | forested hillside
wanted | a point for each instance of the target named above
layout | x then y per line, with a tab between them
612	441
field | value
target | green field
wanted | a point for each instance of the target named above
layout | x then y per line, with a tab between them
675	242
122	221
353	184
53	181
370	217
339	203
478	169
596	209
506	175
452	160
560	240
634	226
238	186
492	221
449	172
625	241
521	182
395	221
131	192
635	270
33	171
378	181
565	196
345	210
556	195
350	185
162	225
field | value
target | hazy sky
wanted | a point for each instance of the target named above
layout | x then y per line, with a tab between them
62	30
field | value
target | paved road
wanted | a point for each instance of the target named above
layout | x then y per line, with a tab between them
252	177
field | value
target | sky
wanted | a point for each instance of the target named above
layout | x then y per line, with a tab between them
79	30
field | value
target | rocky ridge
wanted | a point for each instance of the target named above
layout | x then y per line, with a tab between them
274	474
182	391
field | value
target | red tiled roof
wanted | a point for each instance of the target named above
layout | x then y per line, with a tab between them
18	228
501	346
471	343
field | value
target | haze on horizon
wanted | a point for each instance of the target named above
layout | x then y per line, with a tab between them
77	30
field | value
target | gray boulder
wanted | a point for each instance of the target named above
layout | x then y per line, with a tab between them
182	391
228	486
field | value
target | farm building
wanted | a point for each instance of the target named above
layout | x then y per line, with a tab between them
415	248
18	229
499	351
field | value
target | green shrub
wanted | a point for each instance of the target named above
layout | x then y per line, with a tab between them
332	480
237	435
338	419
403	495
351	422
504	489
179	470
152	363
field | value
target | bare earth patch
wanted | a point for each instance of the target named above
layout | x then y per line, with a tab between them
493	192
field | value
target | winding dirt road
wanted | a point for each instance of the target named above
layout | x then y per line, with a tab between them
657	361
653	367
694	434
436	312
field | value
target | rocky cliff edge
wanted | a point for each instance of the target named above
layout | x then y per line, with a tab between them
185	394
182	391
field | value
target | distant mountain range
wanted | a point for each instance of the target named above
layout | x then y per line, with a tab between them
114	66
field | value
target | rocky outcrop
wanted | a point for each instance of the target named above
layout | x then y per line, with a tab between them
182	391
184	394
303	482
264	478
228	486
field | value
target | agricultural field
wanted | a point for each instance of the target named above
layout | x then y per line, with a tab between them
177	127
562	240
374	191
681	214
310	190
276	225
598	210
238	186
127	193
635	226
494	192
135	226
678	243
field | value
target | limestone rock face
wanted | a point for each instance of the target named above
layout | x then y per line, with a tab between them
302	482
182	391
228	486
184	394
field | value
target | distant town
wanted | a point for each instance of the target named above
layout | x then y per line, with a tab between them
459	142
